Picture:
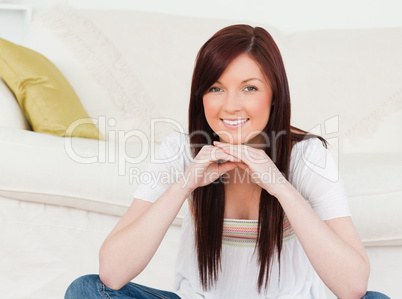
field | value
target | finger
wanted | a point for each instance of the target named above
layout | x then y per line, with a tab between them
228	148
242	147
220	156
212	153
246	153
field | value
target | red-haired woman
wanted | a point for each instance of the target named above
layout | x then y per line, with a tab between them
268	216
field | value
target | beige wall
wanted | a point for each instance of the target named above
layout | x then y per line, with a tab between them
288	16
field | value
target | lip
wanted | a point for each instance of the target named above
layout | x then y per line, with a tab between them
234	119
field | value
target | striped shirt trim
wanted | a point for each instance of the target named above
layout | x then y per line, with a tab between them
243	233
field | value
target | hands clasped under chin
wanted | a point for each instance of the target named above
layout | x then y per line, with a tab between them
257	164
213	161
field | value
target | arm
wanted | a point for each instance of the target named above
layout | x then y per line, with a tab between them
133	242
333	247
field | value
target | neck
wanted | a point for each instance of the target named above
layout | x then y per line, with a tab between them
239	177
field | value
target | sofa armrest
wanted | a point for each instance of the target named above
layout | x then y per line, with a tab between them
64	171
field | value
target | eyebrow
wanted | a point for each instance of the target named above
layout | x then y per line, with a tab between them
251	79
245	81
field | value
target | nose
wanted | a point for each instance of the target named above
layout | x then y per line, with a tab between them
232	102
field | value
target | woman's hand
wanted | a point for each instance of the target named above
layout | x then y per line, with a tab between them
205	168
257	164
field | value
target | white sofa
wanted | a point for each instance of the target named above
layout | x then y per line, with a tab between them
60	197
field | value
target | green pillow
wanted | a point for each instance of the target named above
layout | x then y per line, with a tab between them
46	98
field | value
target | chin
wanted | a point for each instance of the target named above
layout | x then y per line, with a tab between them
235	140
256	141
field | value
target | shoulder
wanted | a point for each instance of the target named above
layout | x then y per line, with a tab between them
308	149
179	137
175	146
312	143
176	138
311	157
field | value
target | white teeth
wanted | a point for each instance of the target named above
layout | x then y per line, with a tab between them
234	122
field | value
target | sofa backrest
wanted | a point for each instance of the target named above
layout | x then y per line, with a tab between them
129	67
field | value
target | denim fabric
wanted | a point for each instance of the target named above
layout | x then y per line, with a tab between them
91	287
375	295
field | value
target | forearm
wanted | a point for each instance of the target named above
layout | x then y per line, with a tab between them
342	268
127	252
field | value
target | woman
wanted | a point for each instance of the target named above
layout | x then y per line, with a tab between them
266	219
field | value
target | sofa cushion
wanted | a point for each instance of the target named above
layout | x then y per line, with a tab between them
10	113
374	188
46	98
353	75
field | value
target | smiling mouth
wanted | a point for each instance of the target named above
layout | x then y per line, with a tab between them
234	123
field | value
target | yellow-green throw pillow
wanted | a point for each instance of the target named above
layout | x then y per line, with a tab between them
46	98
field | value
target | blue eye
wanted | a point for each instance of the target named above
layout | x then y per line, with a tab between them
250	88
214	89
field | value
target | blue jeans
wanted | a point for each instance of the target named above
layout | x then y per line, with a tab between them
375	295
91	287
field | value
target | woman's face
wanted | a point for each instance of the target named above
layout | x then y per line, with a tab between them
237	106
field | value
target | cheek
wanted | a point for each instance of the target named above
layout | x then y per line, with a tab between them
261	108
211	109
209	105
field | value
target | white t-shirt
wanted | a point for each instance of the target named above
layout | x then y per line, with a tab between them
313	173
